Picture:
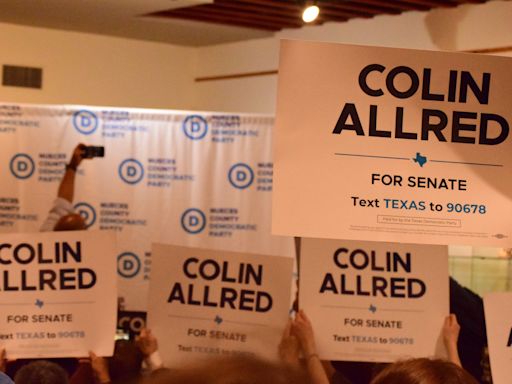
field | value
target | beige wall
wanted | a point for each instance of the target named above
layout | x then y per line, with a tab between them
463	28
255	94
96	70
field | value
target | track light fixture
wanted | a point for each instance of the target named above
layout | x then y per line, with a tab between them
311	12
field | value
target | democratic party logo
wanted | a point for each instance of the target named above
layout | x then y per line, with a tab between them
195	127
85	122
128	265
87	212
131	171
241	176
22	166
193	221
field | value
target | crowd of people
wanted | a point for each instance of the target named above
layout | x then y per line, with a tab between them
139	362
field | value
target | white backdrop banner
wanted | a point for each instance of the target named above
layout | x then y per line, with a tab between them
395	145
372	301
205	303
59	296
498	321
185	178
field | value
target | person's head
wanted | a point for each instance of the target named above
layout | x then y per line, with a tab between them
41	372
423	371
4	379
126	363
239	370
71	222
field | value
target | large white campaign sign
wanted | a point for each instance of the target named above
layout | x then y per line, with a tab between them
209	303
393	145
59	294
373	301
187	178
498	321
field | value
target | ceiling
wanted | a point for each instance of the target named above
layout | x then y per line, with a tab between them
196	22
275	15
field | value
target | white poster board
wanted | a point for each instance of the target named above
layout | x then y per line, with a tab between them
498	321
59	294
397	145
372	301
208	303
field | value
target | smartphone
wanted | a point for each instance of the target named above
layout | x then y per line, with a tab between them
121	334
91	151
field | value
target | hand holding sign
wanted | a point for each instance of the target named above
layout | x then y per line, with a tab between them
289	347
50	286
99	366
451	330
209	303
303	330
354	323
147	343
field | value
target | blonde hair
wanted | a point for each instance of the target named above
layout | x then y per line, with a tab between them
233	370
423	371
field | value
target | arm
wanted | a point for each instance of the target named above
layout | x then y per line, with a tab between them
100	368
84	373
67	184
148	345
451	329
63	205
289	348
3	360
303	329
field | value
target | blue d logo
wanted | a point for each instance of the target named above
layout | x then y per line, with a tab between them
22	166
131	171
85	122
128	265
193	221
195	127
241	176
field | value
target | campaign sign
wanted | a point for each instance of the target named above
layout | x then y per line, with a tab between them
498	320
59	294
206	303
372	301
393	145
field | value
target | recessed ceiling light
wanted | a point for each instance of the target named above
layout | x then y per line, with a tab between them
310	13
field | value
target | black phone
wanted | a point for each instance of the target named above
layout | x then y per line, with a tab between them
91	151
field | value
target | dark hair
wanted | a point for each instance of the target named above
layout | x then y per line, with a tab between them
233	370
423	371
126	363
41	372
